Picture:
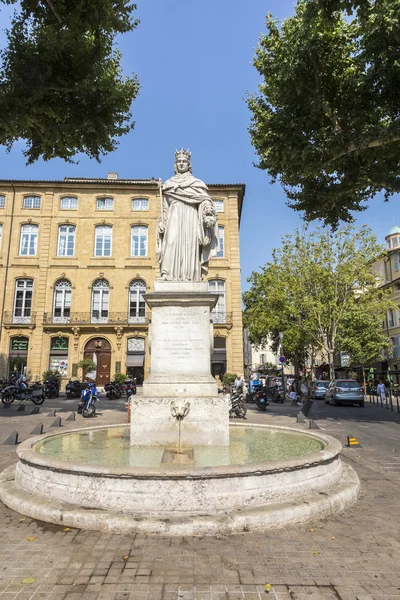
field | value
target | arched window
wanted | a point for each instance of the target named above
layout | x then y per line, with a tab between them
103	240
62	301
105	204
217	286
139	240
66	240
23	301
31	201
68	203
221	236
29	236
100	301
137	305
140	204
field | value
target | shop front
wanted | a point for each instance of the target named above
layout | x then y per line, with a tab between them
135	359
18	355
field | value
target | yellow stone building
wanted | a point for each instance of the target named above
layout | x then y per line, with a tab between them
76	257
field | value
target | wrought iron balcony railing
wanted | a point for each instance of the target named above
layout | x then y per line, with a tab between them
10	318
94	318
222	318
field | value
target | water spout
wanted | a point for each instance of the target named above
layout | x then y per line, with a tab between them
179	411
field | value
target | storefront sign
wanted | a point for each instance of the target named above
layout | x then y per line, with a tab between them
19	344
59	343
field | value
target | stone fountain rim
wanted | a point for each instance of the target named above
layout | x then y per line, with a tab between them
331	452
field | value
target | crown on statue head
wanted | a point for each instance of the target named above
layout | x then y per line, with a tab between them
183	154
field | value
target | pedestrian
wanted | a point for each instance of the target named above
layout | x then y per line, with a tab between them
293	396
239	383
304	391
381	391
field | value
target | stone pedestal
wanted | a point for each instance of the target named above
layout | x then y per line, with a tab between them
181	341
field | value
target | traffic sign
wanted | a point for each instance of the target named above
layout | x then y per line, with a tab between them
282	359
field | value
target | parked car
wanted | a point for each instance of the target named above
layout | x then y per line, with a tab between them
318	388
344	391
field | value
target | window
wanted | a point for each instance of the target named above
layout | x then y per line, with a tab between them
103	240
29	235
59	355
137	305
396	262
139	240
219	205
140	204
23	301
100	301
221	235
218	314
2	201
31	201
1	233
66	240
394	242
390	318
69	203
62	301
105	204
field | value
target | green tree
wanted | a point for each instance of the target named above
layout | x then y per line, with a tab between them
61	83
321	290
326	122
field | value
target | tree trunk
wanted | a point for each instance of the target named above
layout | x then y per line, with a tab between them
331	359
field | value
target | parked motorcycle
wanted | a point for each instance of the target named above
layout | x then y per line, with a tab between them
113	390
130	387
261	398
87	403
278	395
73	389
237	406
21	391
51	388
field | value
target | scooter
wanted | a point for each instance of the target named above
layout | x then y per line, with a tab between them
113	390
237	406
130	387
51	388
87	403
261	399
73	389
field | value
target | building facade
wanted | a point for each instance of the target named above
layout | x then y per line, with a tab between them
76	258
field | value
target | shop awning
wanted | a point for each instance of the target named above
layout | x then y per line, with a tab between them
134	360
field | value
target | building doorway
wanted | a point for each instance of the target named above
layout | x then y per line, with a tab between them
218	357
99	350
18	355
135	359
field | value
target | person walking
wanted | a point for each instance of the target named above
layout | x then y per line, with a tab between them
304	391
239	383
381	391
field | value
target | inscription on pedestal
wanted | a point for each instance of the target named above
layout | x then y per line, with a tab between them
180	340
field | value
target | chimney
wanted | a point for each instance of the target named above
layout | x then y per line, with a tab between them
112	176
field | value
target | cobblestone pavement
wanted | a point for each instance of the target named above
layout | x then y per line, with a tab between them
352	556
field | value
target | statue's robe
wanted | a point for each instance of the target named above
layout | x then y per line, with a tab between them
186	244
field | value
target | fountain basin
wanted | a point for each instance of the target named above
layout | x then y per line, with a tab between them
180	499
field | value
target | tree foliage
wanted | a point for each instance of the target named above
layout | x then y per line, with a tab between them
61	83
326	122
322	292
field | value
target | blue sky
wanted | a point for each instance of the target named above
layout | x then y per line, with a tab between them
193	60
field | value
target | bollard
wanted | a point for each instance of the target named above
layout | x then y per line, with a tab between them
56	422
71	417
301	418
38	430
12	439
21	408
35	410
312	424
352	442
52	413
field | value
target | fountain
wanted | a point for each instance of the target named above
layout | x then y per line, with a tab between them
180	469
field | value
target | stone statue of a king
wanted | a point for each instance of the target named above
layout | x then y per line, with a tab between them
187	231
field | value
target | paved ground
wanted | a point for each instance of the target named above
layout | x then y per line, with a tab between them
355	555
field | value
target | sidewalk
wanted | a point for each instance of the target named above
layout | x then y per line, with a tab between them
353	556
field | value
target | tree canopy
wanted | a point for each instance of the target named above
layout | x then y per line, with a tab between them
61	84
326	121
322	292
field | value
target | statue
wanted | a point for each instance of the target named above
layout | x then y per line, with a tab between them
187	231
